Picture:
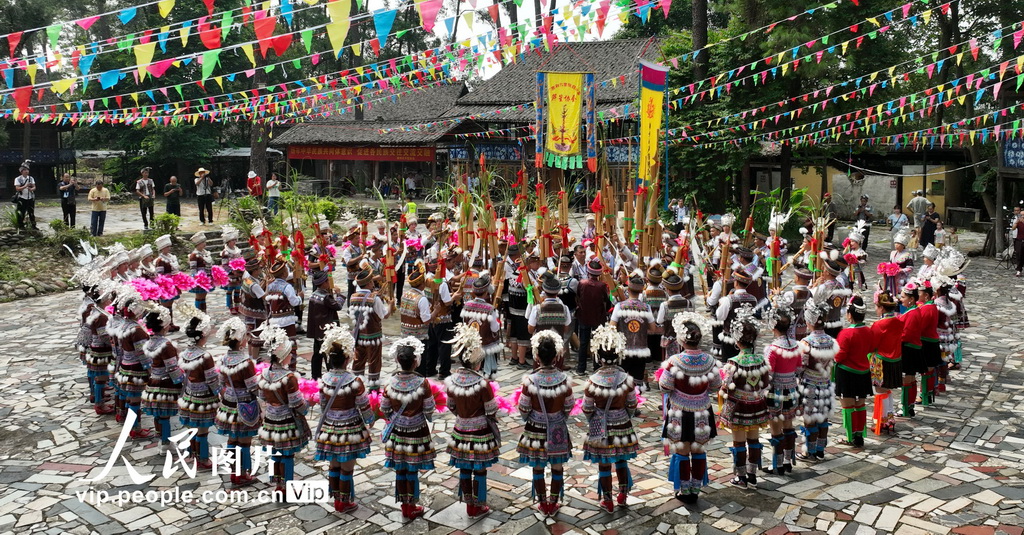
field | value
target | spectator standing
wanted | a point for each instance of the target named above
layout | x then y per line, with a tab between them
204	195
25	188
592	304
410	186
929	225
409	209
897	222
68	188
918	206
99	196
145	190
1017	234
865	213
681	211
273	193
830	213
255	185
173	193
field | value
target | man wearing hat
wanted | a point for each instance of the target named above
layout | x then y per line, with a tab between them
480	313
204	196
323	311
251	305
745	263
674	304
865	213
829	290
655	295
200	261
795	299
728	306
230	251
368	311
25	197
633	318
145	190
352	255
593	303
570	286
515	275
281	300
414	308
437	357
551	314
254	184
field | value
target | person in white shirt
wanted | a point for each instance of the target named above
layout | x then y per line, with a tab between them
410	186
204	195
918	206
273	193
25	197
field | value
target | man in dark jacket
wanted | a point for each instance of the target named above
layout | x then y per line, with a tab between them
592	304
323	311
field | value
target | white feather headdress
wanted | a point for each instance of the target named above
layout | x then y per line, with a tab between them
540	336
608	338
777	221
467	344
162	313
187	311
408	341
336	334
232	329
276	340
680	320
728	219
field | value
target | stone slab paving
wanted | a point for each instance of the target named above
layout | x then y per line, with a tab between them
956	468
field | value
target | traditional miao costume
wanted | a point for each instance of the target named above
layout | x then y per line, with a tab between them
818	393
544	405
408	405
133	366
239	415
476	438
689	379
199	400
200	262
99	356
746	405
368	312
930	351
284	425
853	377
784	359
343	433
233	291
609	402
633	318
160	400
886	368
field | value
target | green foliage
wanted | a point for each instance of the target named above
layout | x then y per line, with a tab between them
329	208
166	223
10	218
10	270
782	200
63	236
57	225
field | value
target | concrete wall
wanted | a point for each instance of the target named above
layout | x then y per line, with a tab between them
934	181
880	189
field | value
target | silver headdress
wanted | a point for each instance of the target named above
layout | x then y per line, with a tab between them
680	320
276	340
336	334
777	312
408	341
232	329
162	313
540	336
744	318
187	311
857	233
608	338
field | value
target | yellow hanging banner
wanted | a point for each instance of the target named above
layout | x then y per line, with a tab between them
652	108
564	104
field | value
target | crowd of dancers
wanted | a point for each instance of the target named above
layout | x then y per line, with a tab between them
688	324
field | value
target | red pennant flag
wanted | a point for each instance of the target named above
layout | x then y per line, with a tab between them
22	98
209	6
264	28
12	40
281	43
493	11
596	205
209	34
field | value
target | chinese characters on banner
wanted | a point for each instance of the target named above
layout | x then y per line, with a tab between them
561	98
378	154
652	107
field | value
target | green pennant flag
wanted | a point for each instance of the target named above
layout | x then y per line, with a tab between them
106	102
210	60
401	33
126	42
296	64
225	25
268	69
307	39
53	32
178	89
519	3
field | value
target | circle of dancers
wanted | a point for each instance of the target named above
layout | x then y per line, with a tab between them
754	357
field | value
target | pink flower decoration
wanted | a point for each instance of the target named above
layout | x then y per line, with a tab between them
109	309
183	282
505	405
149	290
414	243
440	396
310	390
203	281
167	288
237	264
220	277
846	243
577	407
332	250
516	394
851	258
658	373
261	367
893	269
374	398
883	268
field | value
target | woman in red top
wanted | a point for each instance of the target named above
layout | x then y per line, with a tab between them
930	352
852	371
913	360
886	361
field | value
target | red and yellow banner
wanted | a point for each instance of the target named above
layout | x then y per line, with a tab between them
377	154
652	109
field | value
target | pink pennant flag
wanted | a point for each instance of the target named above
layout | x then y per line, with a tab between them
87	22
665	5
428	13
159	68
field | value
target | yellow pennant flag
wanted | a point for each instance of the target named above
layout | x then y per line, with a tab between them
468	18
845	46
248	50
873	76
959	58
357	49
165	7
143	57
927	16
183	33
31	69
337	31
135	97
311	2
220	81
60	86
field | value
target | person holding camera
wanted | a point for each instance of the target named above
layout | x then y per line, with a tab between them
25	197
204	195
99	196
68	189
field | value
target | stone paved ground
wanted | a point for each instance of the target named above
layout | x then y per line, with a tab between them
955	468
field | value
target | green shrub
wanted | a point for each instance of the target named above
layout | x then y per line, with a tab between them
65	236
58	225
166	223
10	217
9	269
329	209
